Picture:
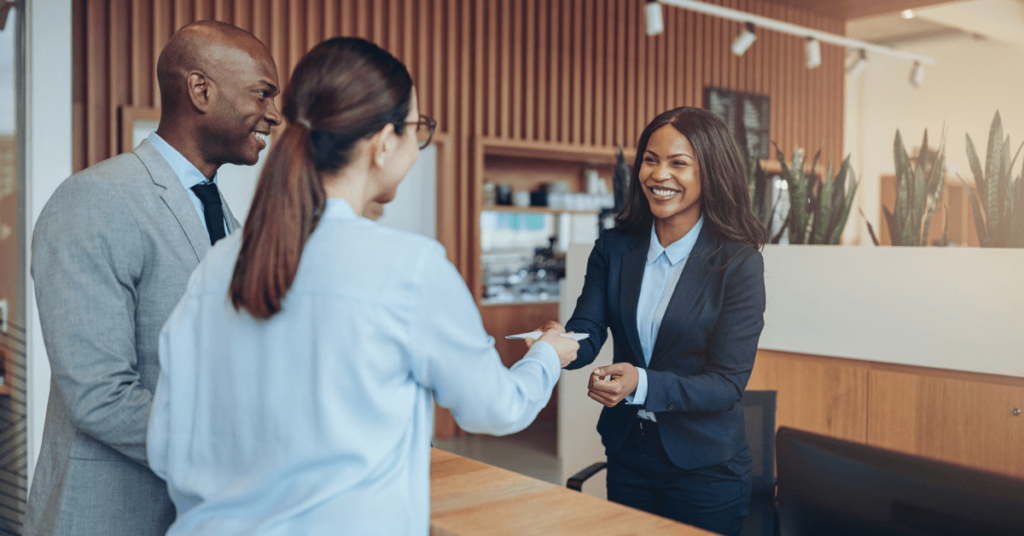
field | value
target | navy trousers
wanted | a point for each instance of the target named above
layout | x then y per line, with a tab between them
641	475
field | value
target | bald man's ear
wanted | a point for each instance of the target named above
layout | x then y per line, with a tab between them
199	91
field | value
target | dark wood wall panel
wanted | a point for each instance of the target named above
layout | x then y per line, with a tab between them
580	72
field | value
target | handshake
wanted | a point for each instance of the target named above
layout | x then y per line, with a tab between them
608	385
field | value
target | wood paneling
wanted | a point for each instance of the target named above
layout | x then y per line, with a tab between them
956	417
502	320
953	419
821	395
580	72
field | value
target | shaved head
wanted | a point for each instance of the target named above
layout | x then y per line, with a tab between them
200	46
217	90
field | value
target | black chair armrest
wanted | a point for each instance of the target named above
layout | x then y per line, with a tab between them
576	481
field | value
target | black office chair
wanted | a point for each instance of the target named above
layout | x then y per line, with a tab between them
759	422
759	417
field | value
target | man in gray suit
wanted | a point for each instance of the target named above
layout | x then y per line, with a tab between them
111	256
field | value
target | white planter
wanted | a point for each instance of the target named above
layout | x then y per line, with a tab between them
952	308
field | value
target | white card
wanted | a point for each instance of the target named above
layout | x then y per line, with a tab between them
537	334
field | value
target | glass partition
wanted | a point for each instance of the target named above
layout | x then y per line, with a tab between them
13	439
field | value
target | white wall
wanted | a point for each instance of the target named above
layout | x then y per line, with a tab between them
579	444
951	308
972	79
48	131
414	208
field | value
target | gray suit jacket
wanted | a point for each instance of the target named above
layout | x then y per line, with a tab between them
111	255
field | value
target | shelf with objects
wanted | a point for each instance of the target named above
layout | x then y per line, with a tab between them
531	201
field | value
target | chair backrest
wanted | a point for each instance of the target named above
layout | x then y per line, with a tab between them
759	419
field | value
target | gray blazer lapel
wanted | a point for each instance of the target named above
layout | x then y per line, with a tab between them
228	216
175	197
684	296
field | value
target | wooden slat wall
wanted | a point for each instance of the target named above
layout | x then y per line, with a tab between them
569	71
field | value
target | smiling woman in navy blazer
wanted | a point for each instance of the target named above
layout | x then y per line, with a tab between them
680	283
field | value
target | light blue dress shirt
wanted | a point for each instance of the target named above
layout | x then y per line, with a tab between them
664	266
188	174
319	420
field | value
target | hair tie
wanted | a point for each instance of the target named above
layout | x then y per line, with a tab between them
306	124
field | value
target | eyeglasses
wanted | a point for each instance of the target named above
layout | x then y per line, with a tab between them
424	130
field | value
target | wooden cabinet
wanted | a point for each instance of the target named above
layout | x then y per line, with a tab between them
818	394
957	417
964	419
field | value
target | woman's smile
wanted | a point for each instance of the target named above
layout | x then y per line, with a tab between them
662	193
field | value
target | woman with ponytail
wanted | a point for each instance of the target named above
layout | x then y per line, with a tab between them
300	369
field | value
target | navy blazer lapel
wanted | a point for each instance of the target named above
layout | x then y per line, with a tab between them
634	260
691	284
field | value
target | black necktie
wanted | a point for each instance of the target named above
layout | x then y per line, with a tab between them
212	209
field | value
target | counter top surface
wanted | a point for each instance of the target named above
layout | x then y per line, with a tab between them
469	497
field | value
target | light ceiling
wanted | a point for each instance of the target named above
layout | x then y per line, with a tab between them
853	9
999	20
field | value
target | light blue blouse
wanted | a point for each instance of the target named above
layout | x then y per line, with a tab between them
661	274
319	420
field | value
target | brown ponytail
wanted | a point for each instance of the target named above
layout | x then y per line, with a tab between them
342	91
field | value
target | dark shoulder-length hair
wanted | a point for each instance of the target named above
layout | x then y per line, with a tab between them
344	90
724	196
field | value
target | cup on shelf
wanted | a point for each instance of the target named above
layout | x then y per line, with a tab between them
556	200
503	194
490	196
521	199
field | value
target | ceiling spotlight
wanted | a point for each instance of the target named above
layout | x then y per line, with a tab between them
917	74
908	13
744	40
655	25
813	53
858	65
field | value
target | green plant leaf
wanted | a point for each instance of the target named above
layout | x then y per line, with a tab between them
838	196
945	226
837	229
799	200
871	230
824	214
937	177
919	196
890	219
904	176
979	177
1005	178
979	221
993	166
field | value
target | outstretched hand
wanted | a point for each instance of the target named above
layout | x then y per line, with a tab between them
551	324
622	381
565	347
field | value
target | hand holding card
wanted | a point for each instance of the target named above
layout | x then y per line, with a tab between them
537	334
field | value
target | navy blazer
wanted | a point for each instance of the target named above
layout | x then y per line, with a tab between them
704	350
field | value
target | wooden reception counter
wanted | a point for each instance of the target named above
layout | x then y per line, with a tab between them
468	497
